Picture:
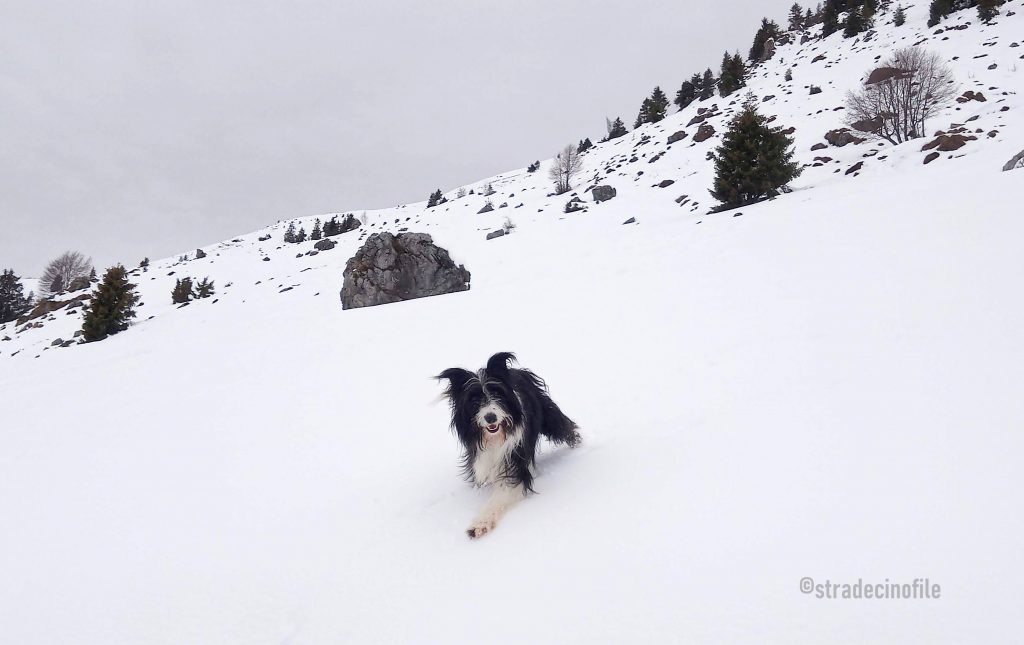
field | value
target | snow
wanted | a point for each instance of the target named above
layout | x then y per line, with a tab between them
826	384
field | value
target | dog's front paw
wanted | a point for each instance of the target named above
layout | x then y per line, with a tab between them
480	528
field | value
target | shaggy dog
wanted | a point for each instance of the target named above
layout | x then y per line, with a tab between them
498	414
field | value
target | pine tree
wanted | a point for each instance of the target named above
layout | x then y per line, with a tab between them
687	93
987	10
796	18
182	291
769	30
707	85
205	288
938	10
616	129
854	23
289	234
13	301
585	145
301	235
753	162
112	306
436	198
734	74
867	13
900	17
829	18
653	108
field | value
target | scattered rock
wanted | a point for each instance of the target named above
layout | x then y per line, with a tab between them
932	156
841	137
1016	161
817	58
631	220
815	90
855	167
79	283
818	146
575	205
880	74
603	193
488	207
200	254
392	269
498	233
677	136
666	183
59	341
326	244
868	125
947	142
971	95
704	132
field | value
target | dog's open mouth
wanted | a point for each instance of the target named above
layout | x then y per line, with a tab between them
494	427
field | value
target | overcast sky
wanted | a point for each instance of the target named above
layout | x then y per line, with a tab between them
136	128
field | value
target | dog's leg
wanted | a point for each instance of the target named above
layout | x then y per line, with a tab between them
502	498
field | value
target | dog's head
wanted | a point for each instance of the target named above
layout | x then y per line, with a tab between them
484	403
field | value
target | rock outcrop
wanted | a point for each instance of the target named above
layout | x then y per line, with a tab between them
391	268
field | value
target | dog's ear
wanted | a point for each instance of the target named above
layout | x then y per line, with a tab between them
497	365
456	377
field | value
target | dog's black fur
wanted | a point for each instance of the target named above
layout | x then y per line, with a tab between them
530	411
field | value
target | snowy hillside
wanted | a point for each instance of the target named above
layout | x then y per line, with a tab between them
823	385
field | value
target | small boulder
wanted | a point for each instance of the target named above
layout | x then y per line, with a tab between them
932	156
1016	161
79	283
498	233
704	132
677	136
665	183
855	167
881	74
200	254
868	125
326	244
631	220
947	142
841	137
603	193
488	207
818	146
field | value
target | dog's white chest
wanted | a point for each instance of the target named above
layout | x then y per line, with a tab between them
492	460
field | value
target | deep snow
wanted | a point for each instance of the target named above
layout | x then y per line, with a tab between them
826	385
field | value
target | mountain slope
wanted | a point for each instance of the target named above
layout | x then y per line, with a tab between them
823	385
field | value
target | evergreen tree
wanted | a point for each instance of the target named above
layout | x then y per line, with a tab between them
687	93
585	145
733	76
769	30
829	18
301	235
938	10
436	198
616	129
867	12
707	85
653	108
987	10
111	307
753	162
205	288
317	232
182	291
13	301
289	234
854	23
900	17
796	17
789	74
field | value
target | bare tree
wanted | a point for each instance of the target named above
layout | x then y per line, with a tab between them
566	165
62	270
898	99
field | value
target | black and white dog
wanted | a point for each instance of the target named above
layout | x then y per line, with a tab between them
499	414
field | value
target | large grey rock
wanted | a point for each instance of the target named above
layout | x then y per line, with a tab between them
603	193
79	283
704	132
841	137
200	254
1017	161
325	244
678	136
391	268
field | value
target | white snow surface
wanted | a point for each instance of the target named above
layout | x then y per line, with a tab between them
827	384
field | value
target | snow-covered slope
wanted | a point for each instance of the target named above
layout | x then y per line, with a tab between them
823	385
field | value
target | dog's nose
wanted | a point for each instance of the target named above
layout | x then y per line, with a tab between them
490	417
